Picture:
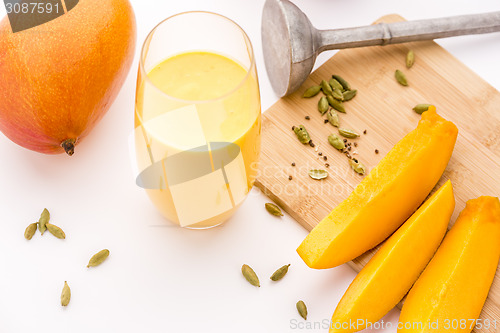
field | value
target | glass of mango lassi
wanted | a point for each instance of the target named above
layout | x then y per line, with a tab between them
197	118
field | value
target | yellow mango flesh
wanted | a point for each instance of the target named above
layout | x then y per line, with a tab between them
391	192
455	284
388	276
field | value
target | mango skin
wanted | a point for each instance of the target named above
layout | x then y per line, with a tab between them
57	80
388	276
392	191
455	284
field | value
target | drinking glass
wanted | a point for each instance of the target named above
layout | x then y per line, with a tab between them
197	118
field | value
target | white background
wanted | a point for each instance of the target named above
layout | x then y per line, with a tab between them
161	278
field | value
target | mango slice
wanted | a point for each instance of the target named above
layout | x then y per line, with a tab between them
385	198
450	293
388	276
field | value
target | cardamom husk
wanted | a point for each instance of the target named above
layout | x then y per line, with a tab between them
347	133
312	91
44	219
273	209
337	105
343	82
327	89
98	258
357	166
333	118
401	78
336	85
337	94
336	142
323	105
65	294
349	94
56	231
280	273
250	275
302	134
421	108
30	231
318	174
302	309
410	59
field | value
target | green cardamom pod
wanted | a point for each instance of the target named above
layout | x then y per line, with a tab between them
65	294
336	85
98	258
336	142
337	94
343	82
347	133
280	273
44	219
302	309
323	105
318	174
312	91
333	118
410	59
401	78
337	105
273	209
302	134
30	231
56	231
357	166
250	275
421	108
327	89
349	94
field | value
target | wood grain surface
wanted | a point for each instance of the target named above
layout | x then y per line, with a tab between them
384	109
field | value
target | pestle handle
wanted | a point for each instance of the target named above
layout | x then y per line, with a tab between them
409	31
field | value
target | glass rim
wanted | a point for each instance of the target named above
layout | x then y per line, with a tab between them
149	38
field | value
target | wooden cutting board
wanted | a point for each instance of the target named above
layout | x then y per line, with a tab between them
384	109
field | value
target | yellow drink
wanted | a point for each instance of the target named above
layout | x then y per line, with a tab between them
197	134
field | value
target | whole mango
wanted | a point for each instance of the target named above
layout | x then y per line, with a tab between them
58	79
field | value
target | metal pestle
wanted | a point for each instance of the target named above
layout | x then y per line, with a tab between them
291	43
